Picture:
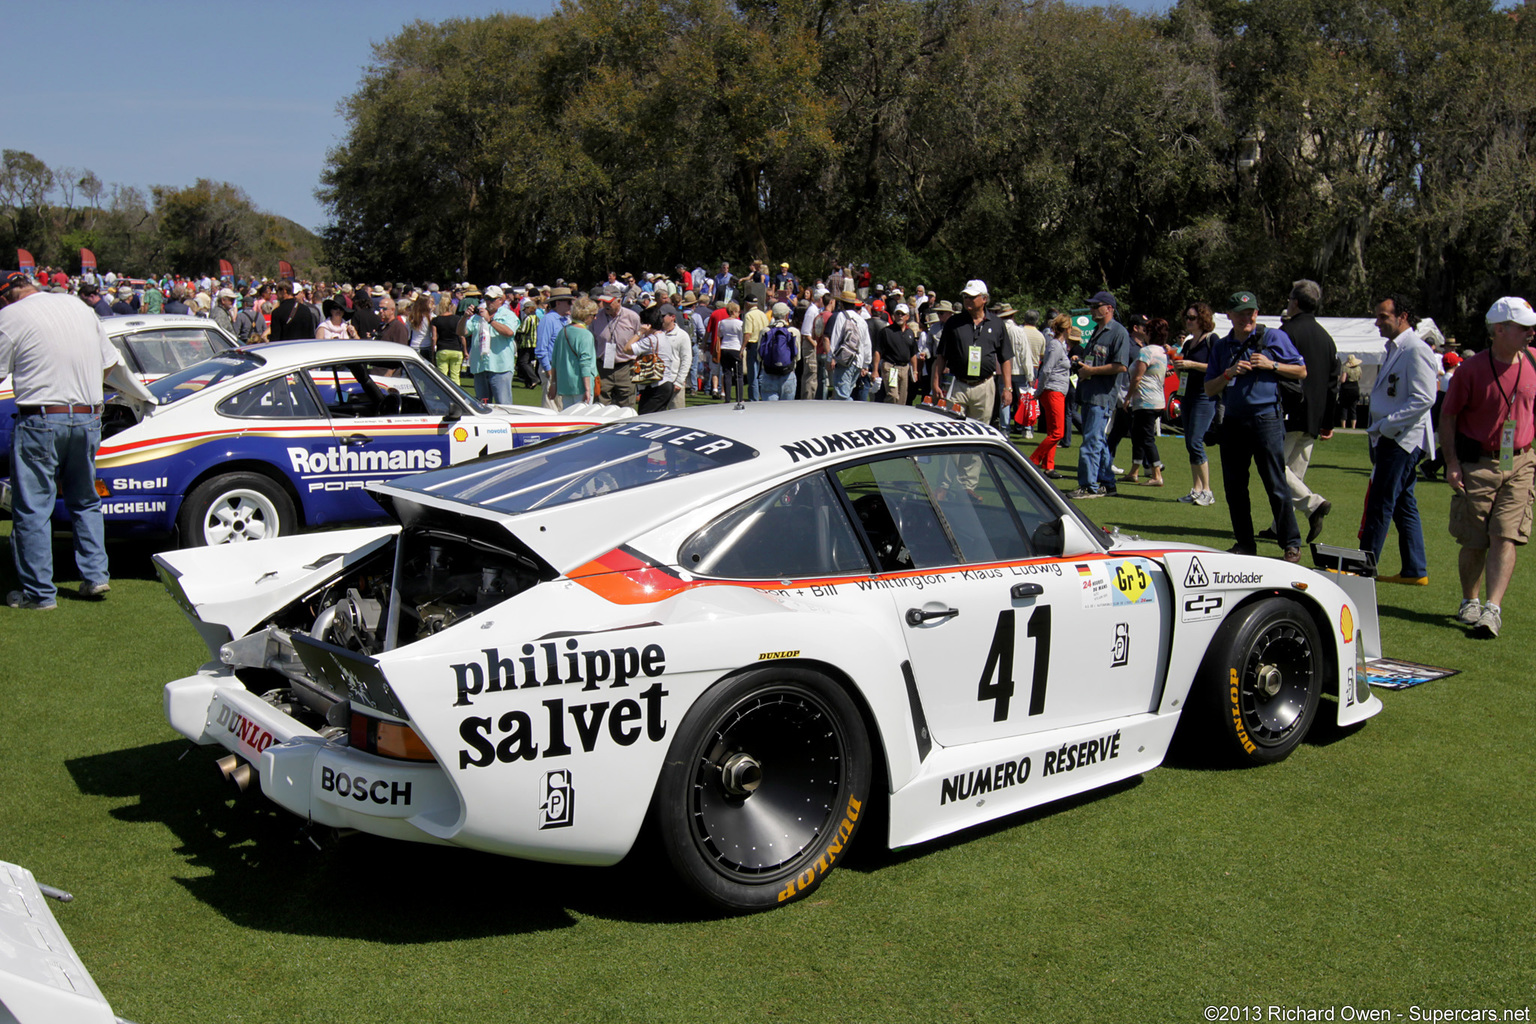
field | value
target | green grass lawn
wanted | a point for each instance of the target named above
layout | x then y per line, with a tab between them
1387	868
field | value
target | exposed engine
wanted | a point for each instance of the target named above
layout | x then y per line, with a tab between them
441	578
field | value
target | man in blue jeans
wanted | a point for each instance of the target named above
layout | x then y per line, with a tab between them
1400	434
1246	367
57	351
1105	357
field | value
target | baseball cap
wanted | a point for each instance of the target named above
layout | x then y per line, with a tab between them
13	279
1103	298
902	307
973	288
1509	308
1240	301
781	310
666	309
493	292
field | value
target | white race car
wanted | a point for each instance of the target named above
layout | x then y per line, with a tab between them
750	623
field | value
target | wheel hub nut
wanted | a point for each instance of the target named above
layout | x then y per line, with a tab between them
1268	680
741	774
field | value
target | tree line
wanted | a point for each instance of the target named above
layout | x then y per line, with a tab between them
1374	145
54	212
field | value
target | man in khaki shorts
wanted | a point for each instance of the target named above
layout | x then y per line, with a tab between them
1486	429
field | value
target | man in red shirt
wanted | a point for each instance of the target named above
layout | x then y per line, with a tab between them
1486	429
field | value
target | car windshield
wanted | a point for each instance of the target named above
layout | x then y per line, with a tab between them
567	469
176	386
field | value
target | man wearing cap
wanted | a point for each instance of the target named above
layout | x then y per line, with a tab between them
224	309
491	334
975	347
895	355
1105	357
1400	435
56	352
848	346
250	324
1486	430
554	321
1246	367
614	327
125	305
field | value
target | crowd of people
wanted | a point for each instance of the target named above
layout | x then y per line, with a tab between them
1261	396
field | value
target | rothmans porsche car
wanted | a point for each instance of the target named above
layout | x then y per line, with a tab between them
258	442
751	624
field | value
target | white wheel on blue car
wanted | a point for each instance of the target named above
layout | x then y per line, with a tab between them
235	508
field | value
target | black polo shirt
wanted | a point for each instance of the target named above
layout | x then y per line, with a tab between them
990	336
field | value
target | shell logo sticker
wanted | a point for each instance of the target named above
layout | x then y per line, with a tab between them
1347	624
460	434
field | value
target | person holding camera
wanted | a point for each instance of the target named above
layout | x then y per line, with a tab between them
1247	367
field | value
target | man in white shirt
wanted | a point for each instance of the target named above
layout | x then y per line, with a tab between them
1400	435
57	353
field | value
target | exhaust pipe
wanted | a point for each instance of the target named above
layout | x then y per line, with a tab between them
235	770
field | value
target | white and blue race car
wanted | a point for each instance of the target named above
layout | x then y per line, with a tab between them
750	624
260	441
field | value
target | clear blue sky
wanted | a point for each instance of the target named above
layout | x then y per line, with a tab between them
168	92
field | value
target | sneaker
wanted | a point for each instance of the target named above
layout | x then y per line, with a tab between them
89	589
1109	492
1489	622
1190	498
1293	555
1407	581
1267	533
1205	498
1469	612
1083	493
16	599
1315	520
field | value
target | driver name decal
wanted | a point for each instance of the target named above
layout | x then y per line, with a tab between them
547	665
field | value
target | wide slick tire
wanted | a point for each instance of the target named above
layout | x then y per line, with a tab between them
764	786
1261	683
233	508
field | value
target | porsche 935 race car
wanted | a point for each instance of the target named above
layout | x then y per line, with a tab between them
260	441
747	622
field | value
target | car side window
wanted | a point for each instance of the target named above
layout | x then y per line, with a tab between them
894	507
797	531
284	397
430	399
167	350
979	517
367	388
1031	509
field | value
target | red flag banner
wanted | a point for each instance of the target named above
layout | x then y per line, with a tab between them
87	260
25	262
225	270
285	269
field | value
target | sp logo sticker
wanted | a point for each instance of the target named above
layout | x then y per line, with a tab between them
557	801
1122	649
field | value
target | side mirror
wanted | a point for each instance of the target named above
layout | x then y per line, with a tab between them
1062	538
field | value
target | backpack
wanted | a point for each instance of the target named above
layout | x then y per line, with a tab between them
778	351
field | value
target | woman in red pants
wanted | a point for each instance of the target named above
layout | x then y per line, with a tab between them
1051	388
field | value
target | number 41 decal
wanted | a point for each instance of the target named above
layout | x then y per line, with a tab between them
1000	663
